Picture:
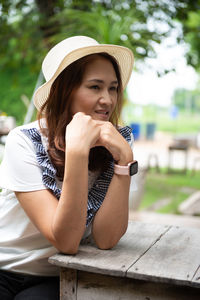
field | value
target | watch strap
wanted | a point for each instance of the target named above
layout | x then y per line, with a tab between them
124	170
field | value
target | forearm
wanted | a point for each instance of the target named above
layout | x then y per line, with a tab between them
111	221
70	217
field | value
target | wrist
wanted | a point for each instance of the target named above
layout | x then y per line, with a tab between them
77	150
76	158
76	163
125	159
130	169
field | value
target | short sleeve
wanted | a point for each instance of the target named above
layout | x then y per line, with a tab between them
19	170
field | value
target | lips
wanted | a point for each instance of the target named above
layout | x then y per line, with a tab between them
102	112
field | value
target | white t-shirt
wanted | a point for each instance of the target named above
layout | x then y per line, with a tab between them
22	247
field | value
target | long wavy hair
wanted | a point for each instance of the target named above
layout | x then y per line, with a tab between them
56	111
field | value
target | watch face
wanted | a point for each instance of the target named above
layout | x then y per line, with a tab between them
133	168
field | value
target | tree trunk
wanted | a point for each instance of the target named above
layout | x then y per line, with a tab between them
47	9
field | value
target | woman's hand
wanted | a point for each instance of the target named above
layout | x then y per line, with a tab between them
115	143
82	133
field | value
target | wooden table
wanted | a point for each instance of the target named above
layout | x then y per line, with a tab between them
151	262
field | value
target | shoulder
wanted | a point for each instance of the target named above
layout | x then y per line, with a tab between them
19	132
17	139
20	160
34	124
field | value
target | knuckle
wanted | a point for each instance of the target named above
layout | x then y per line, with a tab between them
109	124
106	137
77	115
88	118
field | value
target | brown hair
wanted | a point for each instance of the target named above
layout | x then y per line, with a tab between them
56	111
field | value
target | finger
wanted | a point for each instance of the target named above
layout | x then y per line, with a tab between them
78	114
98	122
97	144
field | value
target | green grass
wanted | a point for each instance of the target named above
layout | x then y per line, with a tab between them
185	122
172	186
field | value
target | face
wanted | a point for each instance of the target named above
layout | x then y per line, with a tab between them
97	94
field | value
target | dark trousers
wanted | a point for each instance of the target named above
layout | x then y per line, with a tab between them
15	286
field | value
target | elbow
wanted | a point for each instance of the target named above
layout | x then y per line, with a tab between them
66	246
68	250
106	245
108	242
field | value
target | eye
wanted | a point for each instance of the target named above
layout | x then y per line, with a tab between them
114	88
95	87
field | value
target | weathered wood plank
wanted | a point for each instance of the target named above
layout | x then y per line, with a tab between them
137	240
196	277
101	287
68	284
174	258
60	260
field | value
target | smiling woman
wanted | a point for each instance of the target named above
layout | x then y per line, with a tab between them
98	93
69	175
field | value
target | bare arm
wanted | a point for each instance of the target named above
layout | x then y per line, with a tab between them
47	213
111	220
63	222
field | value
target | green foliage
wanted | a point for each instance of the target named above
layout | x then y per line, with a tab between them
190	20
13	86
30	27
109	26
187	100
20	38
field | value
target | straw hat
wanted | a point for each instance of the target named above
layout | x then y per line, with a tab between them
70	50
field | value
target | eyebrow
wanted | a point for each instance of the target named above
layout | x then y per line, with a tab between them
101	81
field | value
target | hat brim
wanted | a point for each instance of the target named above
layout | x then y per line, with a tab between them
123	56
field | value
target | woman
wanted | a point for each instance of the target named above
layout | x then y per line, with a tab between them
63	175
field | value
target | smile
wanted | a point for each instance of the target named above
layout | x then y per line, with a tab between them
102	112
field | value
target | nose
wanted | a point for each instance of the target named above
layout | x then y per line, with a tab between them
105	97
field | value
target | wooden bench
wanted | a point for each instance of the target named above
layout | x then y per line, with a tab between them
151	262
183	147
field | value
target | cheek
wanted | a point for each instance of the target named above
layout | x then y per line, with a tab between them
83	104
76	102
86	100
87	105
115	99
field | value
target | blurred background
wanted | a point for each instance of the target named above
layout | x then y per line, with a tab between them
161	102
